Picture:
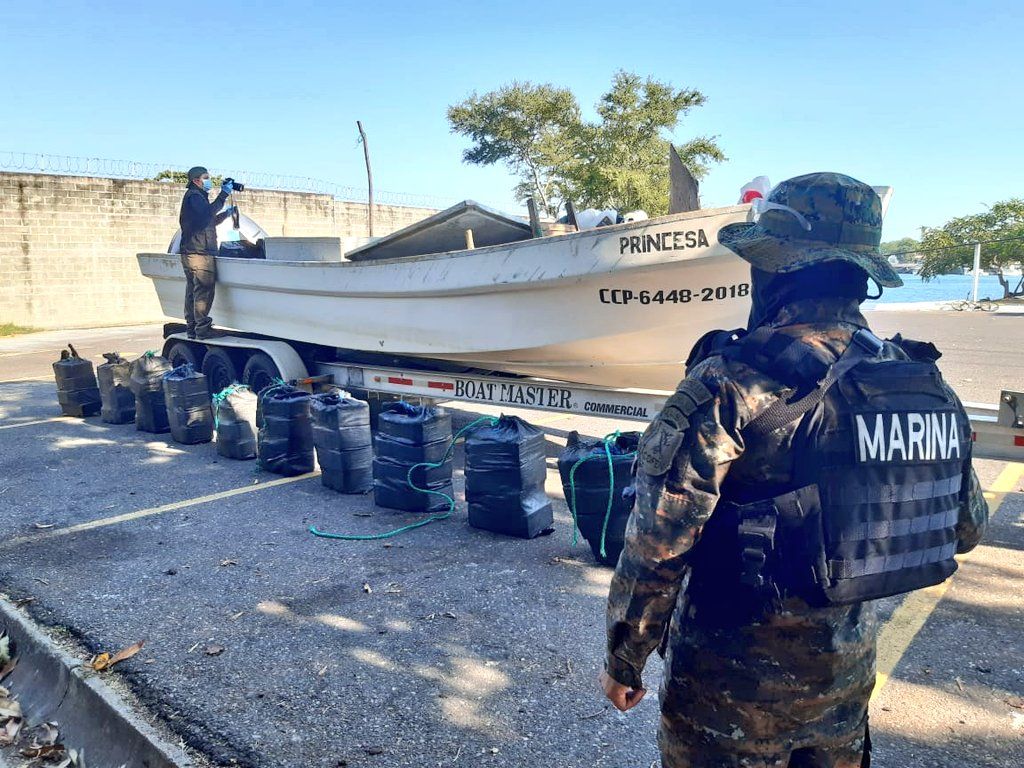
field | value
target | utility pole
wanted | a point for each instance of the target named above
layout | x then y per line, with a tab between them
369	176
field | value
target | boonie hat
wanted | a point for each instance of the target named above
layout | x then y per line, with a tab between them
812	219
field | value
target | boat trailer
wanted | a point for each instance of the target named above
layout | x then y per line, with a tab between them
998	430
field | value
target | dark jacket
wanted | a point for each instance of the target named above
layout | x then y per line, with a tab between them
199	219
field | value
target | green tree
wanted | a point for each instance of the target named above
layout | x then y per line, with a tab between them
181	177
529	127
905	245
619	161
953	243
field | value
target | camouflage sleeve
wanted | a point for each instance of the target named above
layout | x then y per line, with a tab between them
670	510
973	519
973	514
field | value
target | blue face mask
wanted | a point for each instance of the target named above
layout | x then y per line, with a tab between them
207	184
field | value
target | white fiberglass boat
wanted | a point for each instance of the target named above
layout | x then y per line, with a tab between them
617	306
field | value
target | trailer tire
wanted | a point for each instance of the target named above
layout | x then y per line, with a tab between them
260	372
220	370
182	352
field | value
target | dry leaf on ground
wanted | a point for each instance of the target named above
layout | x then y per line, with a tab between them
21	603
225	563
105	661
46	750
7	668
5	649
44	526
367	588
9	707
9	733
214	650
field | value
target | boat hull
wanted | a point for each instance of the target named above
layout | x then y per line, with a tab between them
617	306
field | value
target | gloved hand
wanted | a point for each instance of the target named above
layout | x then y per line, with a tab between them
227	187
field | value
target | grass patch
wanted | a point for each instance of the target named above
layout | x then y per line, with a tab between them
10	329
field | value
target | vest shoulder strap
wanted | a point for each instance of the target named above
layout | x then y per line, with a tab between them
921	351
863	344
781	356
713	343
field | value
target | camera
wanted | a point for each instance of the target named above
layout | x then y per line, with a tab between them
239	186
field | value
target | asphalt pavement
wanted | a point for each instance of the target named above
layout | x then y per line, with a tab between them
266	646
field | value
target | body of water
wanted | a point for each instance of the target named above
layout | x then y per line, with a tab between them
944	288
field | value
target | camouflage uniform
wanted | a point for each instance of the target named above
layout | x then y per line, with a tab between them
746	684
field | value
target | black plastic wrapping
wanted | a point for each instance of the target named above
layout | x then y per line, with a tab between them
235	421
147	383
285	444
414	424
408	435
407	453
592	489
505	472
116	397
189	409
77	391
343	441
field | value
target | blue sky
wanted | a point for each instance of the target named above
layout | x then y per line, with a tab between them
924	96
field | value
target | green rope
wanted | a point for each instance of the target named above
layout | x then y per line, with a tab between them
608	441
408	478
223	395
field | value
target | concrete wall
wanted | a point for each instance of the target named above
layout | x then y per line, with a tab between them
68	244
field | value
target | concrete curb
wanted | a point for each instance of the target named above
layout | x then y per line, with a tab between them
53	686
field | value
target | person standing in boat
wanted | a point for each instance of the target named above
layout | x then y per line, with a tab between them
802	469
198	220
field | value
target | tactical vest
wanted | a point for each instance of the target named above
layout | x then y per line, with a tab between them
880	453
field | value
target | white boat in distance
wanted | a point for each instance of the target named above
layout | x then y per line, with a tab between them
617	306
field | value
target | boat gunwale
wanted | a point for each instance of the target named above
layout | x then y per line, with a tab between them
491	249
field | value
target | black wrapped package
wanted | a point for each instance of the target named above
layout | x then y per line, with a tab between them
343	441
234	417
408	453
408	435
189	409
285	444
391	486
587	488
77	391
414	424
116	397
505	472
147	383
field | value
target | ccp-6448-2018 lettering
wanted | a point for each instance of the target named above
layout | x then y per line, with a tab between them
622	296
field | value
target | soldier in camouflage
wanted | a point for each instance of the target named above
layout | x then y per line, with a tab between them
751	681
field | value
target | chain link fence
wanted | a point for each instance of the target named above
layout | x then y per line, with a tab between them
65	165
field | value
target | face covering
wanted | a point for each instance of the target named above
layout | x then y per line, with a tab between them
771	291
207	184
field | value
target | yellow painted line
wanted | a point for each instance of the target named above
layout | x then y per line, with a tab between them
907	620
154	510
68	419
27	381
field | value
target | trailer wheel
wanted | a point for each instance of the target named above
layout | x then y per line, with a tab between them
260	372
182	352
220	370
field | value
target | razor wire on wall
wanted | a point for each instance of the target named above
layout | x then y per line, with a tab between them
65	165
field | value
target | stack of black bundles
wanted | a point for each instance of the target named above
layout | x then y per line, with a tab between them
285	444
408	435
344	443
189	411
234	410
77	391
147	383
505	472
114	377
589	485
